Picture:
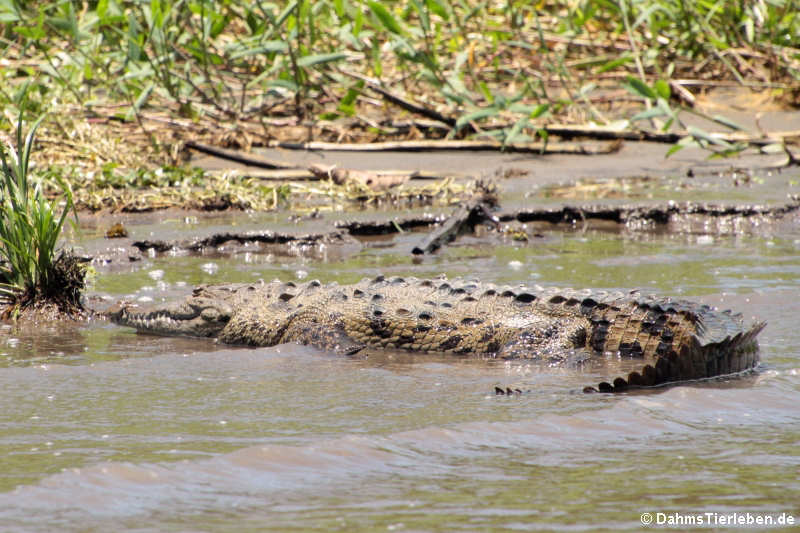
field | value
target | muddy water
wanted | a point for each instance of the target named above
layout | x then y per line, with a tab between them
103	429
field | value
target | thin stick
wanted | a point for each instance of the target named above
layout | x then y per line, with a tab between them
302	174
419	146
238	157
399	101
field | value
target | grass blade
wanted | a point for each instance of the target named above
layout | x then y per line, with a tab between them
386	18
318	59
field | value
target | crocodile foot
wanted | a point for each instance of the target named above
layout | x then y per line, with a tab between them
507	391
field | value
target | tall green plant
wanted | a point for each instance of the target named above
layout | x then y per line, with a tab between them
29	223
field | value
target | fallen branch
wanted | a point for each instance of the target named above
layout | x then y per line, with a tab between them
412	107
287	174
239	157
570	131
462	220
311	174
433	145
598	132
401	102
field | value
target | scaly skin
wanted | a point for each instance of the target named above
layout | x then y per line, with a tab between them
674	340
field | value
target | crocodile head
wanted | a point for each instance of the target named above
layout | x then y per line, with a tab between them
196	317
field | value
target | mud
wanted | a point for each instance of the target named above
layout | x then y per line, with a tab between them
688	217
233	242
697	218
690	168
635	189
678	217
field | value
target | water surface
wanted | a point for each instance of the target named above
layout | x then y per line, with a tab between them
105	429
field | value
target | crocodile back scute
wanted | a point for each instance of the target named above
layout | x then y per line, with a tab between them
674	339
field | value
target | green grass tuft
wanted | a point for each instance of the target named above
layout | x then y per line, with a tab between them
30	225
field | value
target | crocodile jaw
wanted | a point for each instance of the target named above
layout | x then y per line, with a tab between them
196	318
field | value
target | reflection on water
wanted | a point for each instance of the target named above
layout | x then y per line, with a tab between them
104	429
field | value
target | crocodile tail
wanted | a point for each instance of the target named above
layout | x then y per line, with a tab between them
720	345
676	340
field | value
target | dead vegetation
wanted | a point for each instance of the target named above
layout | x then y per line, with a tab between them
150	79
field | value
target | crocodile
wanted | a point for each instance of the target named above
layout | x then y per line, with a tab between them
670	340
